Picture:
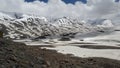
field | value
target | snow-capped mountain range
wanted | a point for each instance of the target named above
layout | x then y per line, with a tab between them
19	26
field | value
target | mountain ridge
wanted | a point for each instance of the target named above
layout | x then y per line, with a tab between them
28	26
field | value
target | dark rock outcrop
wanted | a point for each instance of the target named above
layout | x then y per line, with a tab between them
1	34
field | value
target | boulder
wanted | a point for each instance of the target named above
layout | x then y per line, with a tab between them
1	34
65	39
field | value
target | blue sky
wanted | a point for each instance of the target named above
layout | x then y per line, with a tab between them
117	0
66	1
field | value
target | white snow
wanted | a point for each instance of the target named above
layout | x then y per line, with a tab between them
112	38
106	23
85	53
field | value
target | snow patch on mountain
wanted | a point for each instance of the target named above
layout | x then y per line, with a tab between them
106	23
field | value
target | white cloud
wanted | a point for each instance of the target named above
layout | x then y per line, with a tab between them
103	7
57	8
11	5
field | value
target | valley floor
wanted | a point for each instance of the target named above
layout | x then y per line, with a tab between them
104	45
18	55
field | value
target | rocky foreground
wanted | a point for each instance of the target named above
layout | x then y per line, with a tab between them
18	55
